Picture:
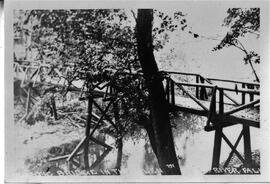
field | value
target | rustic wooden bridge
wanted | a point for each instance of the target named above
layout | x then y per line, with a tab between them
219	113
225	103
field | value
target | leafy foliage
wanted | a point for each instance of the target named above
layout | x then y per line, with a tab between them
167	24
242	22
97	45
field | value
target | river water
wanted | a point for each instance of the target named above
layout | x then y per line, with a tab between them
194	148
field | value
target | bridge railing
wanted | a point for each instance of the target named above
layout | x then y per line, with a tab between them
203	87
216	110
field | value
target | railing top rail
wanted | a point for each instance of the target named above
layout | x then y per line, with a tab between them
255	92
180	73
233	81
211	79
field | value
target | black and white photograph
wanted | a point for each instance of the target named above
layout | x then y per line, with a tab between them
136	91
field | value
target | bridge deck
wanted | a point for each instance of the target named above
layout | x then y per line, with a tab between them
182	102
187	103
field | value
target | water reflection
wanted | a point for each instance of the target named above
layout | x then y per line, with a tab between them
193	147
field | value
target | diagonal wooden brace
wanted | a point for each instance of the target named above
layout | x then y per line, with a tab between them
192	97
233	148
242	107
104	113
100	158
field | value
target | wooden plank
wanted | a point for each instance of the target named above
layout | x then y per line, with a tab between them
219	125
194	84
80	152
231	99
233	81
233	119
58	158
242	107
74	124
180	73
192	97
94	115
78	147
24	78
75	163
212	79
34	73
35	80
63	157
255	92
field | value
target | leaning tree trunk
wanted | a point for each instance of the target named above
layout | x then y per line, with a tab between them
165	151
253	71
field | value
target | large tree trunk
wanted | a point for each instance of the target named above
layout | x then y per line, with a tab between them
119	154
165	151
119	139
151	134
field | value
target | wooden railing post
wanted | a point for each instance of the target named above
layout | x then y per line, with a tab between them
217	148
167	90
243	94
214	100
247	146
87	131
218	131
28	100
54	110
203	95
172	93
197	88
212	108
221	101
